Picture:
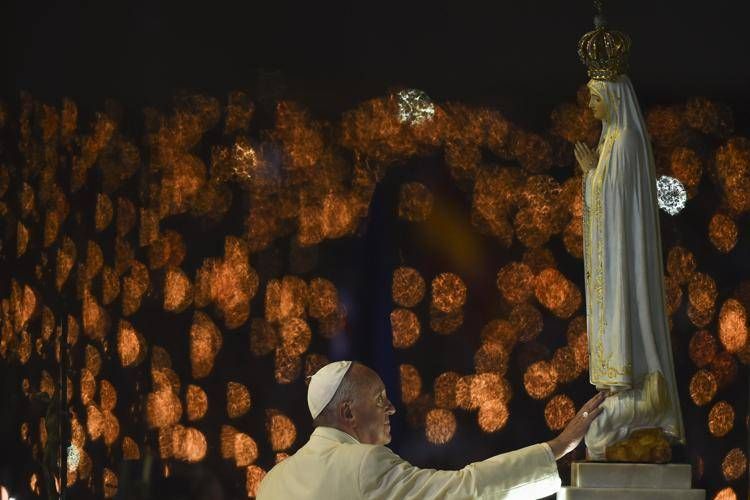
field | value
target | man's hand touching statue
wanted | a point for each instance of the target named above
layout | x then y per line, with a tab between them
573	433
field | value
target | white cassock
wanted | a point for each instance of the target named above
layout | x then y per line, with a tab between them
333	465
629	344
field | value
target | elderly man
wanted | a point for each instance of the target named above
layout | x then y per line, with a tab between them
345	457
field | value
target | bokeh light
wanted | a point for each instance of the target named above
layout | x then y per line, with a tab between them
440	426
448	293
515	282
411	383
405	328
702	348
492	416
733	326
734	465
540	380
721	419
558	411
527	321
723	232
408	287
444	389
501	332
205	342
681	264
254	476
703	387
280	430
238	400
725	494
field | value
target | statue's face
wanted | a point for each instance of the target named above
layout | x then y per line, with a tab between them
598	107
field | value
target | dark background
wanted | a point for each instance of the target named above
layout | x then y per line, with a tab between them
520	55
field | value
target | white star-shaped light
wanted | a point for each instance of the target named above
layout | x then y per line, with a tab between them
74	457
671	195
414	107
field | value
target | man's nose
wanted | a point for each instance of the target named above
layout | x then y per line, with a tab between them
390	409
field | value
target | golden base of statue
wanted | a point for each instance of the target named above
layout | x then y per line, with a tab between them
642	446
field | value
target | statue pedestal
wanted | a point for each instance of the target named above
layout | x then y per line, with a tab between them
623	481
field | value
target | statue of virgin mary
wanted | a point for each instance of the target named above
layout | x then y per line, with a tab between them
629	345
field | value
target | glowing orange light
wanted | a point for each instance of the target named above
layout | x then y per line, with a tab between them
724	368
245	450
263	337
681	264
515	282
66	257
540	380
178	291
324	298
163	408
734	464
527	321
723	232
130	449
558	411
111	427
188	444
109	483
134	286
733	326
295	336
725	494
444	388
94	422
205	343
280	430
411	383
721	419
565	364
107	395
448	293
287	366
491	357
253	478
703	387
405	328
87	386
440	426
702	348
445	323
493	415
486	387
500	332
408	287
238	399
196	402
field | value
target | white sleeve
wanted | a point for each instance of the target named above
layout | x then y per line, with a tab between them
523	474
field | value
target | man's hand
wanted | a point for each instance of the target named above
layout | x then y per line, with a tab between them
573	433
586	158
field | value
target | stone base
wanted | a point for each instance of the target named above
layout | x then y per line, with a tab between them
624	481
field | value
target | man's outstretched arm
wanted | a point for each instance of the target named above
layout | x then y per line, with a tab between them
527	473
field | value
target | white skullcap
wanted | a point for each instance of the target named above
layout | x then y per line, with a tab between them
324	384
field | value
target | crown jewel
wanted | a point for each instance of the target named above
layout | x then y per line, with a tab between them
604	51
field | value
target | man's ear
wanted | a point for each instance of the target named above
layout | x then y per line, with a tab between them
345	411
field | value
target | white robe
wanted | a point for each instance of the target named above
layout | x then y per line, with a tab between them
333	465
629	344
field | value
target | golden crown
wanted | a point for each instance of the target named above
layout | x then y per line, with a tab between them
604	51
